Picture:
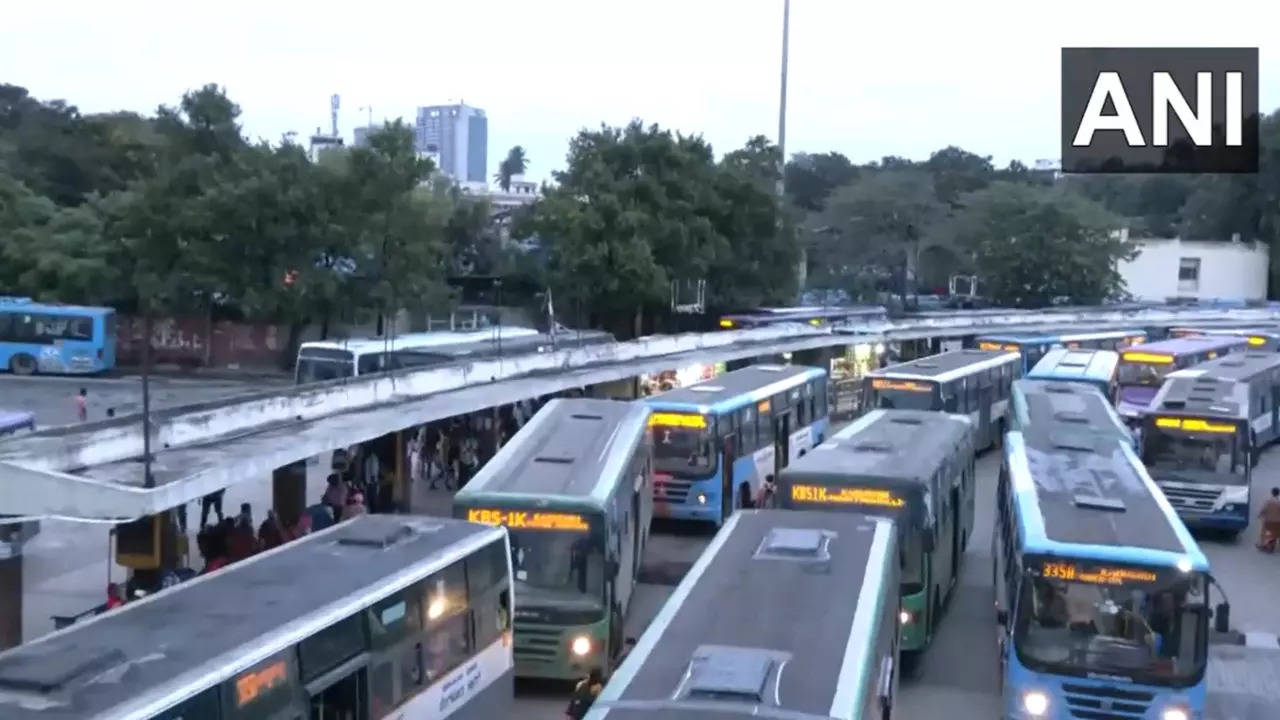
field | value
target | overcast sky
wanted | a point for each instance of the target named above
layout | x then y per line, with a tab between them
867	79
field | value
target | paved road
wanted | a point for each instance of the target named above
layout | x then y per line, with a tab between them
52	399
957	678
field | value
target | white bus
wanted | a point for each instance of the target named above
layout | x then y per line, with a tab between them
378	617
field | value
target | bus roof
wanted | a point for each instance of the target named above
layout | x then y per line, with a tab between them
735	389
1037	401
948	365
1054	336
1082	492
1219	387
573	450
1064	364
25	304
741	606
191	637
409	341
1187	345
903	445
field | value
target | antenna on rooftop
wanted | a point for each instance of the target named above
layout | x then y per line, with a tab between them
335	101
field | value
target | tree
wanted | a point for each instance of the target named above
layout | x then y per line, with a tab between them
956	172
628	215
1035	245
811	178
512	165
876	224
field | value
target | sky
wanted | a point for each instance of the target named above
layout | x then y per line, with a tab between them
866	79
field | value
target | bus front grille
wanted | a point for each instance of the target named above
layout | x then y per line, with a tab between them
1092	702
537	644
671	490
1193	499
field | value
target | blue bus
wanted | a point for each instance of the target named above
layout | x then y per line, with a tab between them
715	442
1203	434
1033	346
1091	367
56	339
1102	595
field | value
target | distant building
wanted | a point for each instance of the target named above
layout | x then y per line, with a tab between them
522	192
459	135
361	138
1171	268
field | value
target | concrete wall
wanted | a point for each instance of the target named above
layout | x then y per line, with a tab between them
1227	270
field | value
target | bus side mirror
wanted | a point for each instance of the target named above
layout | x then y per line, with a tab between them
1222	618
927	541
1002	617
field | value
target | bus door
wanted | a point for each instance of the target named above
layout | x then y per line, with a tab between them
726	479
985	429
781	441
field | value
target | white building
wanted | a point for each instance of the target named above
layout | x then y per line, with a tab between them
1205	270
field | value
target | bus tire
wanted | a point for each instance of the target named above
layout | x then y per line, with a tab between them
22	364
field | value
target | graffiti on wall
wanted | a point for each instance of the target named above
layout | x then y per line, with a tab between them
197	342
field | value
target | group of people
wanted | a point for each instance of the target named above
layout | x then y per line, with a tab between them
232	539
450	452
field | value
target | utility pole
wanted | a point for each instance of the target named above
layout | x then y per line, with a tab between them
782	103
148	479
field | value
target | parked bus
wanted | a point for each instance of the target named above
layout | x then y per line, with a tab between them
1034	346
1143	368
574	489
786	614
1260	338
378	617
916	467
1102	596
1204	432
1096	368
975	383
55	339
716	441
333	359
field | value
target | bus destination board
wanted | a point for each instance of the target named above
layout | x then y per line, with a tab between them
909	385
828	495
1072	571
529	519
998	346
1194	425
255	683
677	420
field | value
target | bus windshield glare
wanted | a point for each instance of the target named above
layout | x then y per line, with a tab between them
1206	452
682	444
1146	625
891	394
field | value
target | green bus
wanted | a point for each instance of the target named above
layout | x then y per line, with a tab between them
916	466
574	489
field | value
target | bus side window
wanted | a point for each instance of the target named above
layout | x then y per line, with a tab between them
448	637
747	418
820	398
802	405
949	397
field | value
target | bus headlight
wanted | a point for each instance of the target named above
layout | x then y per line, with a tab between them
1175	713
581	645
702	498
1035	703
904	617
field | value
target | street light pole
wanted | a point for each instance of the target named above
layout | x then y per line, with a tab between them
782	103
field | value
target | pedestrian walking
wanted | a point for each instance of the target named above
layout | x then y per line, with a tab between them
1270	516
584	695
82	405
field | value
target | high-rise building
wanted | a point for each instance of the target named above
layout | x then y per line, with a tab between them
459	135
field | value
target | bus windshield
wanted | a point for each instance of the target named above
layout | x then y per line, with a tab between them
1154	633
682	449
891	394
1195	457
1143	373
559	566
318	365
